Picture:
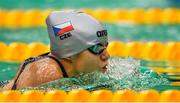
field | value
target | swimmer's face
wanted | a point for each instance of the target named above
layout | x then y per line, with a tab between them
88	61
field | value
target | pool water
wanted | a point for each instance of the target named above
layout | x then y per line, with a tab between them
121	74
44	4
122	32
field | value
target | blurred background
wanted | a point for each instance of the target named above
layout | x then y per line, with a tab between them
148	30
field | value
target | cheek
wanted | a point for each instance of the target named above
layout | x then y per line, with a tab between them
88	62
93	60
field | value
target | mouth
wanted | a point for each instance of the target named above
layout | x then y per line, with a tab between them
104	68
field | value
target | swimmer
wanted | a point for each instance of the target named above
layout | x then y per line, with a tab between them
78	44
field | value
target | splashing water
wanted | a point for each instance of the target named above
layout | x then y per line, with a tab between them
121	74
119	68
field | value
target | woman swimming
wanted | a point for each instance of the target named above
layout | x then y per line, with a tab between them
78	44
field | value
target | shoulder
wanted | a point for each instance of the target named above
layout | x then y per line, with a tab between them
38	72
46	63
47	69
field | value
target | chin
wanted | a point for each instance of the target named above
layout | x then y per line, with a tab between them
103	70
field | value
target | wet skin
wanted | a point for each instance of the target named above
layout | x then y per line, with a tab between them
46	69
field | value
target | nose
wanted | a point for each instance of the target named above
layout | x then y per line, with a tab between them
104	55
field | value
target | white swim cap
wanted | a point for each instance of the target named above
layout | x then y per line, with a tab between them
71	32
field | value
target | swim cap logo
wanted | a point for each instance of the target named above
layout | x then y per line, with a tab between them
101	33
64	36
63	30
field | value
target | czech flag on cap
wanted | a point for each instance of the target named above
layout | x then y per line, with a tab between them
62	28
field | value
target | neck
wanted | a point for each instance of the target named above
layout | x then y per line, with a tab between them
67	64
70	70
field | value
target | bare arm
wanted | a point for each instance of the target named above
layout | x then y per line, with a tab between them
40	72
36	73
8	86
11	83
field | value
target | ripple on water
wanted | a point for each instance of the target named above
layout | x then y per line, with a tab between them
121	74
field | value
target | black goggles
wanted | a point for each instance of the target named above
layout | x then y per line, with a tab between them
97	49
